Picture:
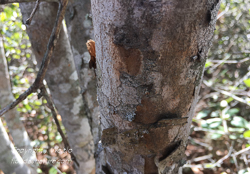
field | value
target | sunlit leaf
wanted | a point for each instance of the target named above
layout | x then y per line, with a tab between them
233	137
247	134
38	170
240	122
215	136
202	114
233	111
239	130
247	82
52	170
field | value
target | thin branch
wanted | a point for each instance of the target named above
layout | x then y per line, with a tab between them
227	94
28	21
240	81
222	13
219	162
202	158
232	61
242	151
46	59
51	105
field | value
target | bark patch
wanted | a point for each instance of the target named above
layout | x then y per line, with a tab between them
132	59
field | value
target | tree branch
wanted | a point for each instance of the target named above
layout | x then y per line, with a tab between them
46	59
54	114
28	21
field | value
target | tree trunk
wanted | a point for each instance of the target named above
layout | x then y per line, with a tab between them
14	123
80	29
150	58
63	82
10	161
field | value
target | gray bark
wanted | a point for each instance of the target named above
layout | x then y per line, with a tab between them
63	83
14	123
150	59
10	161
80	29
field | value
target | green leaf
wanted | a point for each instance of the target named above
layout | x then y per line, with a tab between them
215	136
214	125
233	137
211	120
233	111
239	130
215	114
247	82
240	122
52	170
247	134
209	165
28	107
39	170
59	138
202	114
204	124
208	64
37	102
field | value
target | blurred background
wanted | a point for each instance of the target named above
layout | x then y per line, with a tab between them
220	138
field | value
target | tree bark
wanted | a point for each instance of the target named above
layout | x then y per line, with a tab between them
150	58
14	123
10	161
80	29
63	83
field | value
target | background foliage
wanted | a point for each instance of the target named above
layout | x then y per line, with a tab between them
36	116
221	126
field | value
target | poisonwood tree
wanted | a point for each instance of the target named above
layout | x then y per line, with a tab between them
150	58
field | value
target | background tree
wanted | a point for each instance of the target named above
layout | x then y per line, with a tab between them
11	160
63	82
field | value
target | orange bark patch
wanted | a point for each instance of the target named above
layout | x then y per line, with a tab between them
132	59
146	113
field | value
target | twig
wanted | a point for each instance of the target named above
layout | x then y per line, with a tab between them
232	61
225	157
242	151
51	105
227	94
28	21
46	59
222	13
209	130
201	143
246	162
201	158
242	79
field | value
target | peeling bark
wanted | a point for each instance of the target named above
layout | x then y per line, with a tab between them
148	81
63	83
14	123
